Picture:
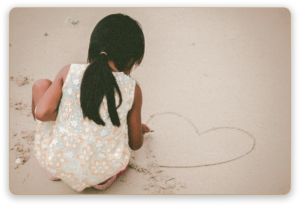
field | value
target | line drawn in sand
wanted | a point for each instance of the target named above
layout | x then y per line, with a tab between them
199	134
158	182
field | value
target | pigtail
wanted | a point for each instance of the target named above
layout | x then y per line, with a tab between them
98	81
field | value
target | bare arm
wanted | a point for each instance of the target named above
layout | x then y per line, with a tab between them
134	121
46	108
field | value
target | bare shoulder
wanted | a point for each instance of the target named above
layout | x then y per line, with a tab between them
137	95
138	89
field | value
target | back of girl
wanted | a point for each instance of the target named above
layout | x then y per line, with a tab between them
89	118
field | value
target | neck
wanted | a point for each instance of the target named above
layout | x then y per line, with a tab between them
112	66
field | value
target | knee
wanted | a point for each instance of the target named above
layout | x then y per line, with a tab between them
41	84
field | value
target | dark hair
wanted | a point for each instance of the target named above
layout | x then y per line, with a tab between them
122	39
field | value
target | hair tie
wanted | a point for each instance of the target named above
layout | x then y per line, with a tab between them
103	53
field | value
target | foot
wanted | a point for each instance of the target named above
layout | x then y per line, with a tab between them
122	171
104	185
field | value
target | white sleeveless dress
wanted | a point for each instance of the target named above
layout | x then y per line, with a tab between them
77	150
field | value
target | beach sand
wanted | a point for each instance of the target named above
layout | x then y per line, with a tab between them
216	91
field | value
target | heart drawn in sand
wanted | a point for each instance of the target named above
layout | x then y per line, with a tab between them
177	143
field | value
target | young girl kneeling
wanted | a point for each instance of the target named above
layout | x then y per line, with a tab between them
89	118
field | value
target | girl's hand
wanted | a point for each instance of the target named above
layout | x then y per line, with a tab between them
145	129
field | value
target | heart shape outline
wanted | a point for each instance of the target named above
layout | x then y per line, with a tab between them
199	134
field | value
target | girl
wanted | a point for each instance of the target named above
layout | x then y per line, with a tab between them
89	118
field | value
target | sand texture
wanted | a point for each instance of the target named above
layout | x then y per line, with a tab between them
216	86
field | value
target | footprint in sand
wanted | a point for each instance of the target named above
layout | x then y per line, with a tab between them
24	108
22	147
20	81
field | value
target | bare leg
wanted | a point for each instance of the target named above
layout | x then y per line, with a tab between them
38	90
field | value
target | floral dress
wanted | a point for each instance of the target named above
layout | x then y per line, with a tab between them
77	150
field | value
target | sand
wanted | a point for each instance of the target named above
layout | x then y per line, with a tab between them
216	92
